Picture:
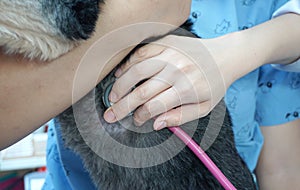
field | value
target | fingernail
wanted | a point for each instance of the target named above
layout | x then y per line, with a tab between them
113	97
118	72
160	125
109	116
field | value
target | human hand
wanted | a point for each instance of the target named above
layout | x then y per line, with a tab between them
183	83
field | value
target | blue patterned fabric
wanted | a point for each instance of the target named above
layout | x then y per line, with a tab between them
265	96
279	91
65	169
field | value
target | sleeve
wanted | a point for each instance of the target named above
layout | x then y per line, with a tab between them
292	6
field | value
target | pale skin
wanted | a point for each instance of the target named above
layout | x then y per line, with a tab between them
165	97
31	93
279	165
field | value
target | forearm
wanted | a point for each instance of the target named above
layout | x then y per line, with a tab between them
276	41
31	93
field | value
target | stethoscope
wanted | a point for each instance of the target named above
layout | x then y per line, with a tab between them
105	96
194	147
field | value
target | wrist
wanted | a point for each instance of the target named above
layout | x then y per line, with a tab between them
234	55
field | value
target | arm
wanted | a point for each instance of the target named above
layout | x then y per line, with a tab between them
278	166
31	93
276	41
292	6
235	55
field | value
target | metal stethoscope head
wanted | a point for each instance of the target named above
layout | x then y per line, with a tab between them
105	97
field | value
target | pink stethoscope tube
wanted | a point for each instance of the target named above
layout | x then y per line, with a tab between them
211	166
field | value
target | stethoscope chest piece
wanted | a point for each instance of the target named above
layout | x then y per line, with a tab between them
105	96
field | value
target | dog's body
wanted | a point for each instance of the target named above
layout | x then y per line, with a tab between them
46	29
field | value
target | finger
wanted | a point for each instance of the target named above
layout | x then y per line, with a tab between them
167	100
137	97
141	54
161	103
181	93
181	115
134	75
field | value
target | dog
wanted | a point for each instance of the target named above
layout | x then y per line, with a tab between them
47	29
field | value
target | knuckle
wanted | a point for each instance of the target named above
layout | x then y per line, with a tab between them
137	56
185	90
141	52
143	113
124	66
194	91
146	109
141	93
186	93
187	68
137	117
